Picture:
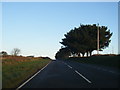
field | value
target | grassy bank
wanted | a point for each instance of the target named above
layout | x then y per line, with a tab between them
17	69
111	61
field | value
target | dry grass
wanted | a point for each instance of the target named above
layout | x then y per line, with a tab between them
16	69
15	59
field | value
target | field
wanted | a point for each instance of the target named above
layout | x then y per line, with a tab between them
110	61
16	70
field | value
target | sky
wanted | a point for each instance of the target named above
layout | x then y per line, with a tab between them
119	28
59	0
37	27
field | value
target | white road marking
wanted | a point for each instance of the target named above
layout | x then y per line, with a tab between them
83	77
69	66
78	73
31	77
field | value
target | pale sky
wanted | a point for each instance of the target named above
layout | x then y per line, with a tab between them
37	28
59	0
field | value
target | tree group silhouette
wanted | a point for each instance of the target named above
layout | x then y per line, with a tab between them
83	39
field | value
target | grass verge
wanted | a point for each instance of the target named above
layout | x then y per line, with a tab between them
16	71
110	61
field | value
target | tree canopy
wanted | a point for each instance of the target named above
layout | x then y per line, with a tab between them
83	39
63	53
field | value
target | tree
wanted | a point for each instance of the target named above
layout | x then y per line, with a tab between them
3	53
104	41
16	51
63	53
75	40
84	39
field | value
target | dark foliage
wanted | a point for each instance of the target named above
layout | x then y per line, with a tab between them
83	39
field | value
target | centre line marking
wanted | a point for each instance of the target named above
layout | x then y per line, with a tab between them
83	77
69	66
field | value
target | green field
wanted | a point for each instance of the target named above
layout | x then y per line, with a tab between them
15	72
110	61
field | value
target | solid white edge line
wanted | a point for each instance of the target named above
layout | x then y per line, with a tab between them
83	77
32	77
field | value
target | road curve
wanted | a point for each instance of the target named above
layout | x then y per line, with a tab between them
68	74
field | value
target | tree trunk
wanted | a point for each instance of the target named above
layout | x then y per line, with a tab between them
74	55
87	54
83	54
78	54
90	53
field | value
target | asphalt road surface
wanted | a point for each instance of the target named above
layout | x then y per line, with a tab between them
69	74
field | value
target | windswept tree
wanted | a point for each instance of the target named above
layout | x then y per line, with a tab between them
104	38
75	40
63	53
83	39
15	51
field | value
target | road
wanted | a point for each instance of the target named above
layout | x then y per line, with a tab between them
69	74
